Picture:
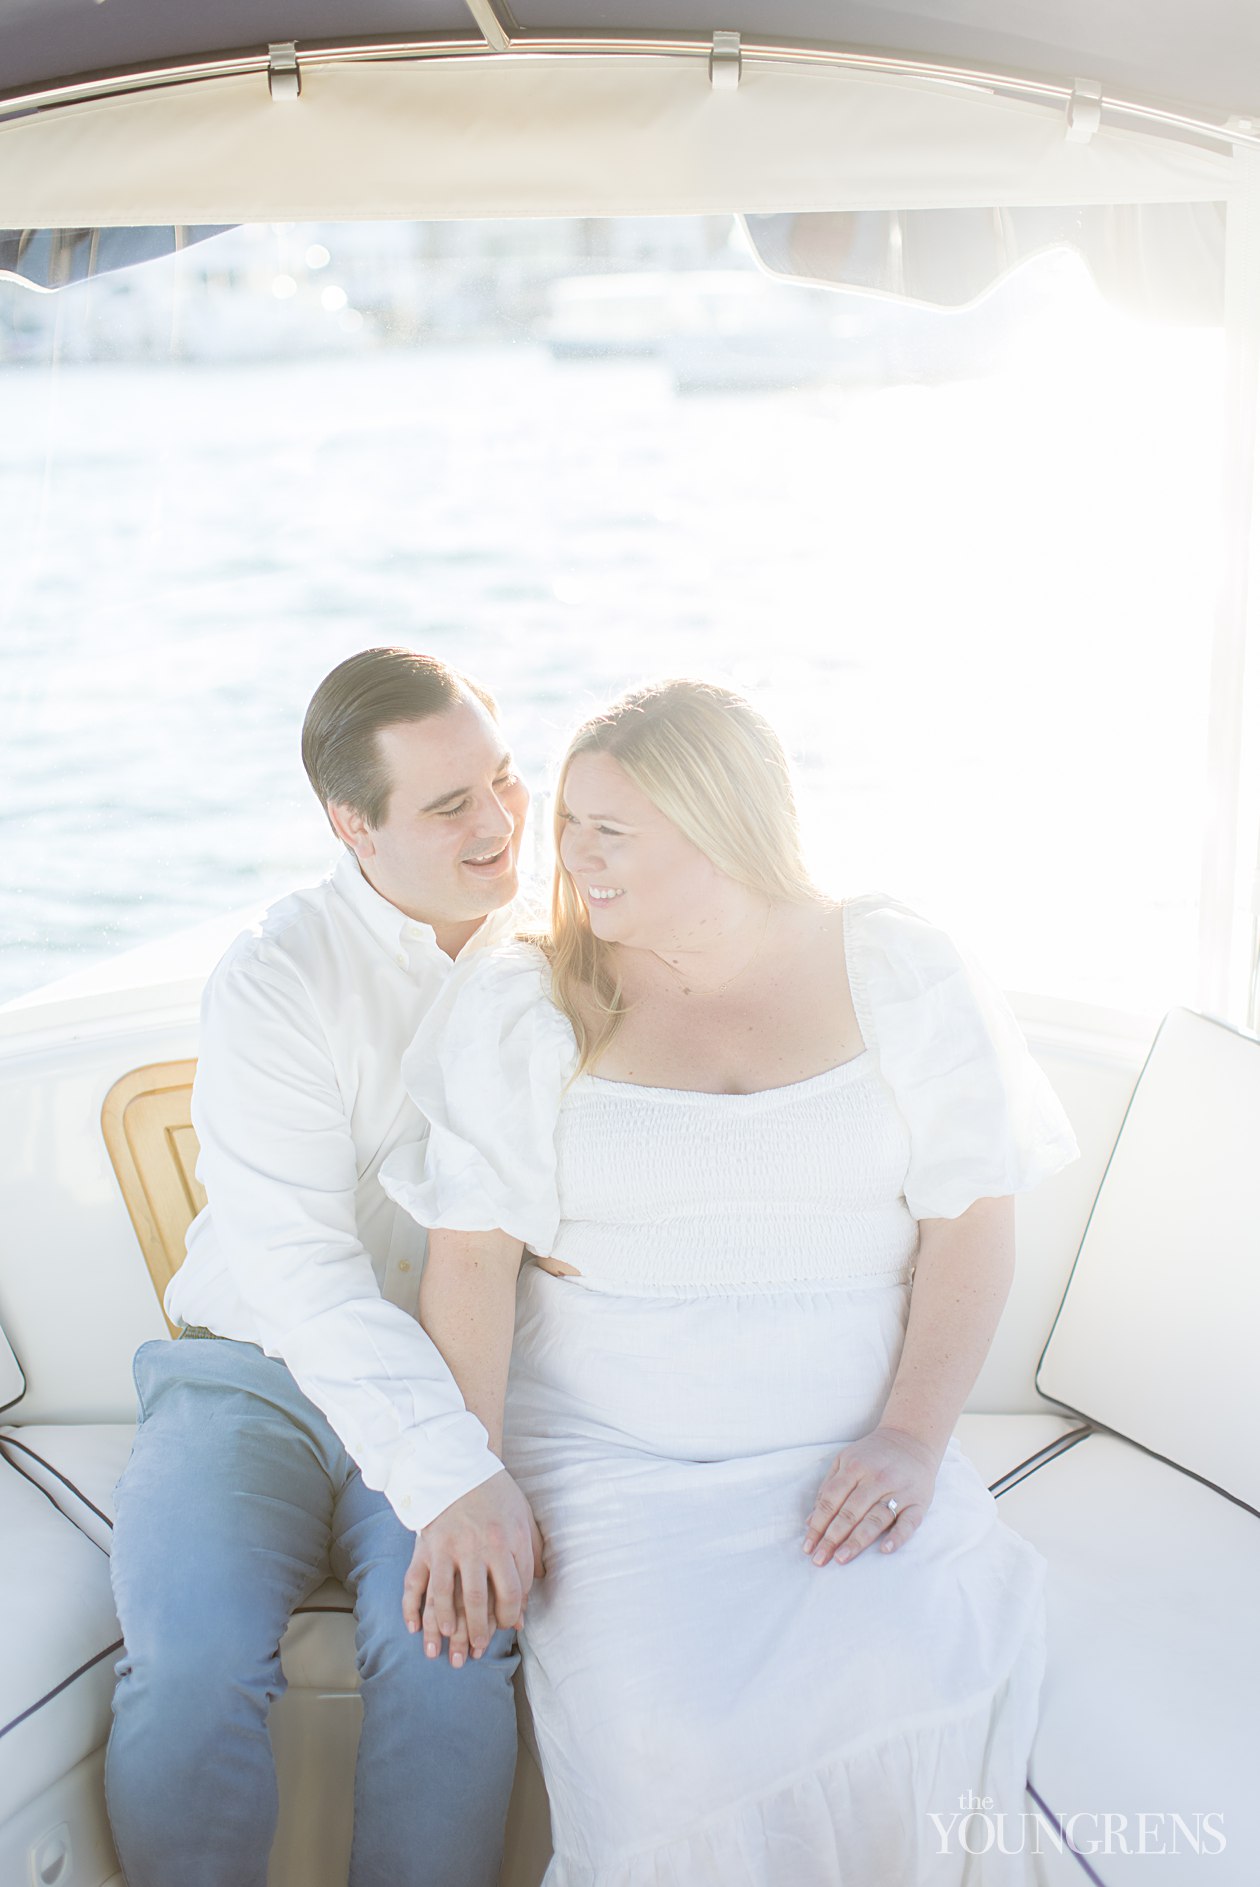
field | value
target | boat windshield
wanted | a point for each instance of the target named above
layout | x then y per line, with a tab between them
966	560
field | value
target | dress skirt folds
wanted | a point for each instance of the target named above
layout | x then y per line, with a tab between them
711	1708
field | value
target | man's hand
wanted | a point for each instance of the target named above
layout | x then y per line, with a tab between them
472	1569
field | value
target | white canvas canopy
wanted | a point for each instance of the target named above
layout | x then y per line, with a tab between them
145	114
1199	59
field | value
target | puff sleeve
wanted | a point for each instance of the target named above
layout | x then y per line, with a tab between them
486	1069
982	1116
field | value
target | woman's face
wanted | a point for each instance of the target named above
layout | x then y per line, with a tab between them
643	882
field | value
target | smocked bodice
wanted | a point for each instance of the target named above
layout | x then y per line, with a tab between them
662	1190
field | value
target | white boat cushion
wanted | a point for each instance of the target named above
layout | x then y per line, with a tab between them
79	1465
58	1643
1153	1663
317	1650
1004	1446
12	1381
1136	1654
1155	1337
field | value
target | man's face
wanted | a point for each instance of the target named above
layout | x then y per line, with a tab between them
446	850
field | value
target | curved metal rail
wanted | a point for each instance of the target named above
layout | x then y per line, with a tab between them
497	36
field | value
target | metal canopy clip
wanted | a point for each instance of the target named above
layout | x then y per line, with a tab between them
1084	110
283	77
494	22
725	62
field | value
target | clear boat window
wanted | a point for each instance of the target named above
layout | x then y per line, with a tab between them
966	560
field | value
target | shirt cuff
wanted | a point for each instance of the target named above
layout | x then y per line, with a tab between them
448	1459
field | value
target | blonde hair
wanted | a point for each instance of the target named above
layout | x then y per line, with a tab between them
713	765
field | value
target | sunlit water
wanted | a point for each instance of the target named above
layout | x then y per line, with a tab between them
979	613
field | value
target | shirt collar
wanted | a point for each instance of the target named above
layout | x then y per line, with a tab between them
394	930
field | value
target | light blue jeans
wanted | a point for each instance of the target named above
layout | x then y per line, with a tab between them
237	1501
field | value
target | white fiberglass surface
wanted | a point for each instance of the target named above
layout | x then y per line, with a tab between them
967	562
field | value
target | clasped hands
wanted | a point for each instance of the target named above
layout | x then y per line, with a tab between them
474	1564
472	1569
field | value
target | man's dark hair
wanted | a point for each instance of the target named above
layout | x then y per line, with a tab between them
376	688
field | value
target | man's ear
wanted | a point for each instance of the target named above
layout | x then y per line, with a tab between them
352	829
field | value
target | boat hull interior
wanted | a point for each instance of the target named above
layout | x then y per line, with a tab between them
1110	1421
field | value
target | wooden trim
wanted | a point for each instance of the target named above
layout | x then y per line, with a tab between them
147	1124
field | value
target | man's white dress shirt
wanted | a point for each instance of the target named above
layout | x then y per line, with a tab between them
297	1100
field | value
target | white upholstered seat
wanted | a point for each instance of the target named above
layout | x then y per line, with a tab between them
74	1468
1149	1704
59	1639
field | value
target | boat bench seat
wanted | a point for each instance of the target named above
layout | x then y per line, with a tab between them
1152	1687
60	1480
59	1639
1139	1482
78	1465
1150	1522
1151	1600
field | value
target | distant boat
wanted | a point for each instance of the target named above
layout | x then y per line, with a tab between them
601	317
739	329
712	327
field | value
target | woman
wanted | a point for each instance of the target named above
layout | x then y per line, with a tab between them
729	1121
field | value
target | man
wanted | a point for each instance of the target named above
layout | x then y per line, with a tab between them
304	1421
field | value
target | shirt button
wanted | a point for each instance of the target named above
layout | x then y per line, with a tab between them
401	959
404	1264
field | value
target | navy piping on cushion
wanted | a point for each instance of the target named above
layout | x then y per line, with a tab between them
14	1400
10	1441
7	1442
58	1688
1076	1854
1051	1452
30	1478
1101	1428
1230	1029
1005	1484
1094	1207
117	1645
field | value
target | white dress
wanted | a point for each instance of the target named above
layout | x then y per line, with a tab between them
712	1709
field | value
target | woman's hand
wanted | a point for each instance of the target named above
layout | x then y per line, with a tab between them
474	1563
472	1569
850	1512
